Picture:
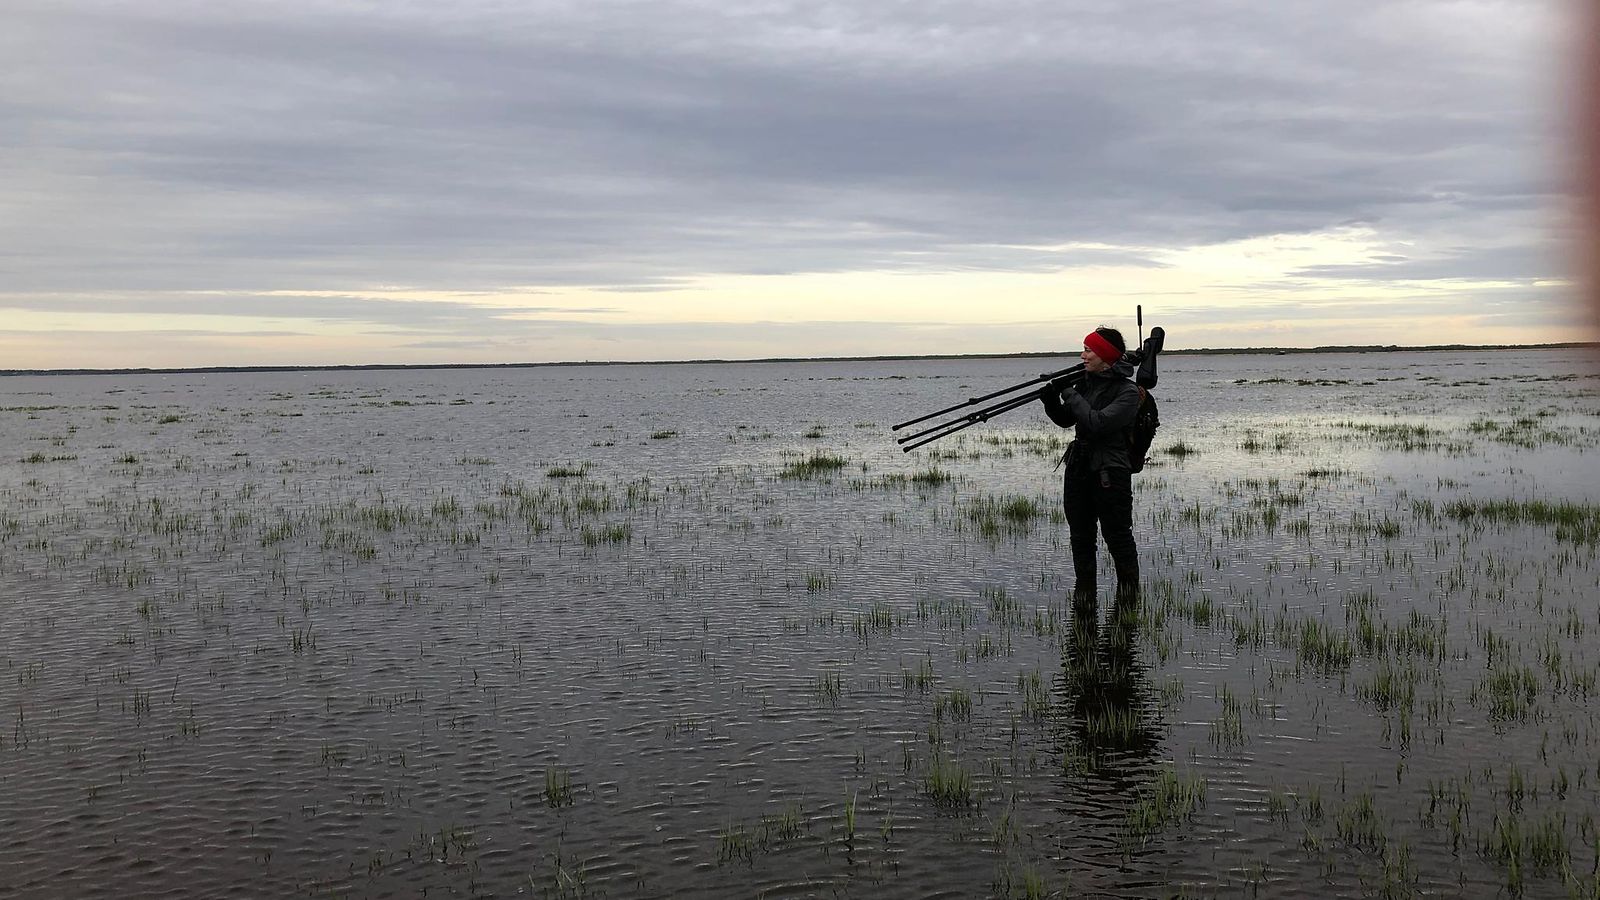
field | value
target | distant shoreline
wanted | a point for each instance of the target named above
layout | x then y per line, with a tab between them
1203	351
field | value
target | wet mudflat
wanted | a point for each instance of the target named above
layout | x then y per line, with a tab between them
656	631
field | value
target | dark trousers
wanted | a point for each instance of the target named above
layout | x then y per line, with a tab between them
1104	498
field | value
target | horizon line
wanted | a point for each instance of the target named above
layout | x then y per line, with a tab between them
1197	351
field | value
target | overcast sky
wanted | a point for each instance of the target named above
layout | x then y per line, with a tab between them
331	181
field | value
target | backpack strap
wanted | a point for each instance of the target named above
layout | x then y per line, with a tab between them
1109	400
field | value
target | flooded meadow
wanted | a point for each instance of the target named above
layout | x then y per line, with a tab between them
704	630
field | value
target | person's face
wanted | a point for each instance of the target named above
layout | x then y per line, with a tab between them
1092	361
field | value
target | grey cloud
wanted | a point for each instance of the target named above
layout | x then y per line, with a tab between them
1490	307
401	313
148	333
1523	262
745	340
180	146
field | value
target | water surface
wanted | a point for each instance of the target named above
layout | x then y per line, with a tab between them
592	631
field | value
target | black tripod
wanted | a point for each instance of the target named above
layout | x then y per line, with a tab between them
1144	357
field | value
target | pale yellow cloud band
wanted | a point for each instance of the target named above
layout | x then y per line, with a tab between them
953	311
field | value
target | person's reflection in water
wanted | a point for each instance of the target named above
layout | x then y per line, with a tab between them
1111	723
1110	737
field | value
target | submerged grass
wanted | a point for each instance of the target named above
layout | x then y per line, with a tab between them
948	783
558	790
1432	655
1577	523
1171	799
816	465
994	516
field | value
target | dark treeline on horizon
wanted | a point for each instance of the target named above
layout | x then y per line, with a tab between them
1198	351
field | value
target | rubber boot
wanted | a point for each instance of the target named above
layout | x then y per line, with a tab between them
1084	562
1079	502
1116	523
1127	574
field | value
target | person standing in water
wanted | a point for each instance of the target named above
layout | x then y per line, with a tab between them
1097	488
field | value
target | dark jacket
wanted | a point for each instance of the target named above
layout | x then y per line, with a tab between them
1101	407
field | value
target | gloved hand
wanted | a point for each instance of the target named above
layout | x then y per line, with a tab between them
1157	338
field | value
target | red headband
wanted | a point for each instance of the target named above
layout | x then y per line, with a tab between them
1102	348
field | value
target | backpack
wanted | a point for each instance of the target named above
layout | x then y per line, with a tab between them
1143	431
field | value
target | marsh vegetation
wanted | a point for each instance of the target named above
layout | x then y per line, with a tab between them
642	631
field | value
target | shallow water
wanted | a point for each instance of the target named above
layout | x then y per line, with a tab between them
363	634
